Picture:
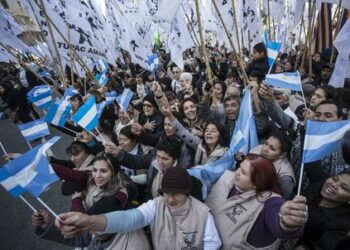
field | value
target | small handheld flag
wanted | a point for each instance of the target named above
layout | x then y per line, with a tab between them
30	172
58	113
86	115
323	138
40	96
34	130
124	99
153	62
287	80
102	78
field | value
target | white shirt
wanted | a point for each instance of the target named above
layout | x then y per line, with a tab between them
211	239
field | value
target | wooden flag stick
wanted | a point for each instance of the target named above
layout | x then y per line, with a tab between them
43	37
70	56
58	58
48	208
76	55
239	60
236	25
339	14
23	64
191	26
268	19
202	47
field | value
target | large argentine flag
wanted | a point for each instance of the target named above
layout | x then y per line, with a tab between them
124	99
86	115
30	172
40	96
34	130
244	136
58	113
289	81
323	138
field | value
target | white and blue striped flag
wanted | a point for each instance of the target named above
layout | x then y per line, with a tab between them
244	136
273	48
110	96
102	66
152	62
323	138
86	115
31	172
69	92
58	113
285	80
102	78
34	130
40	96
124	99
100	107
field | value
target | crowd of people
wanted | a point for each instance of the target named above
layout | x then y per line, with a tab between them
130	186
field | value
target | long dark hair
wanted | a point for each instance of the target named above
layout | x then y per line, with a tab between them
222	137
117	182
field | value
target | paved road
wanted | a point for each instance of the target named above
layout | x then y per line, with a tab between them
16	231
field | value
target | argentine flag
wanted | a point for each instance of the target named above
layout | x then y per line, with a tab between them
86	115
152	62
323	138
69	92
110	96
244	136
34	130
287	80
40	96
102	78
102	66
30	172
58	113
124	99
273	48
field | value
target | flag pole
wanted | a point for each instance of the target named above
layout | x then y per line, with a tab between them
3	149
43	37
48	208
268	18
70	56
23	64
300	179
236	25
30	146
28	204
58	58
100	135
238	58
191	26
80	61
339	14
202	45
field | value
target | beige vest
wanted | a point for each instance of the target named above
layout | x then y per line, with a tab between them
282	166
182	229
130	241
235	217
